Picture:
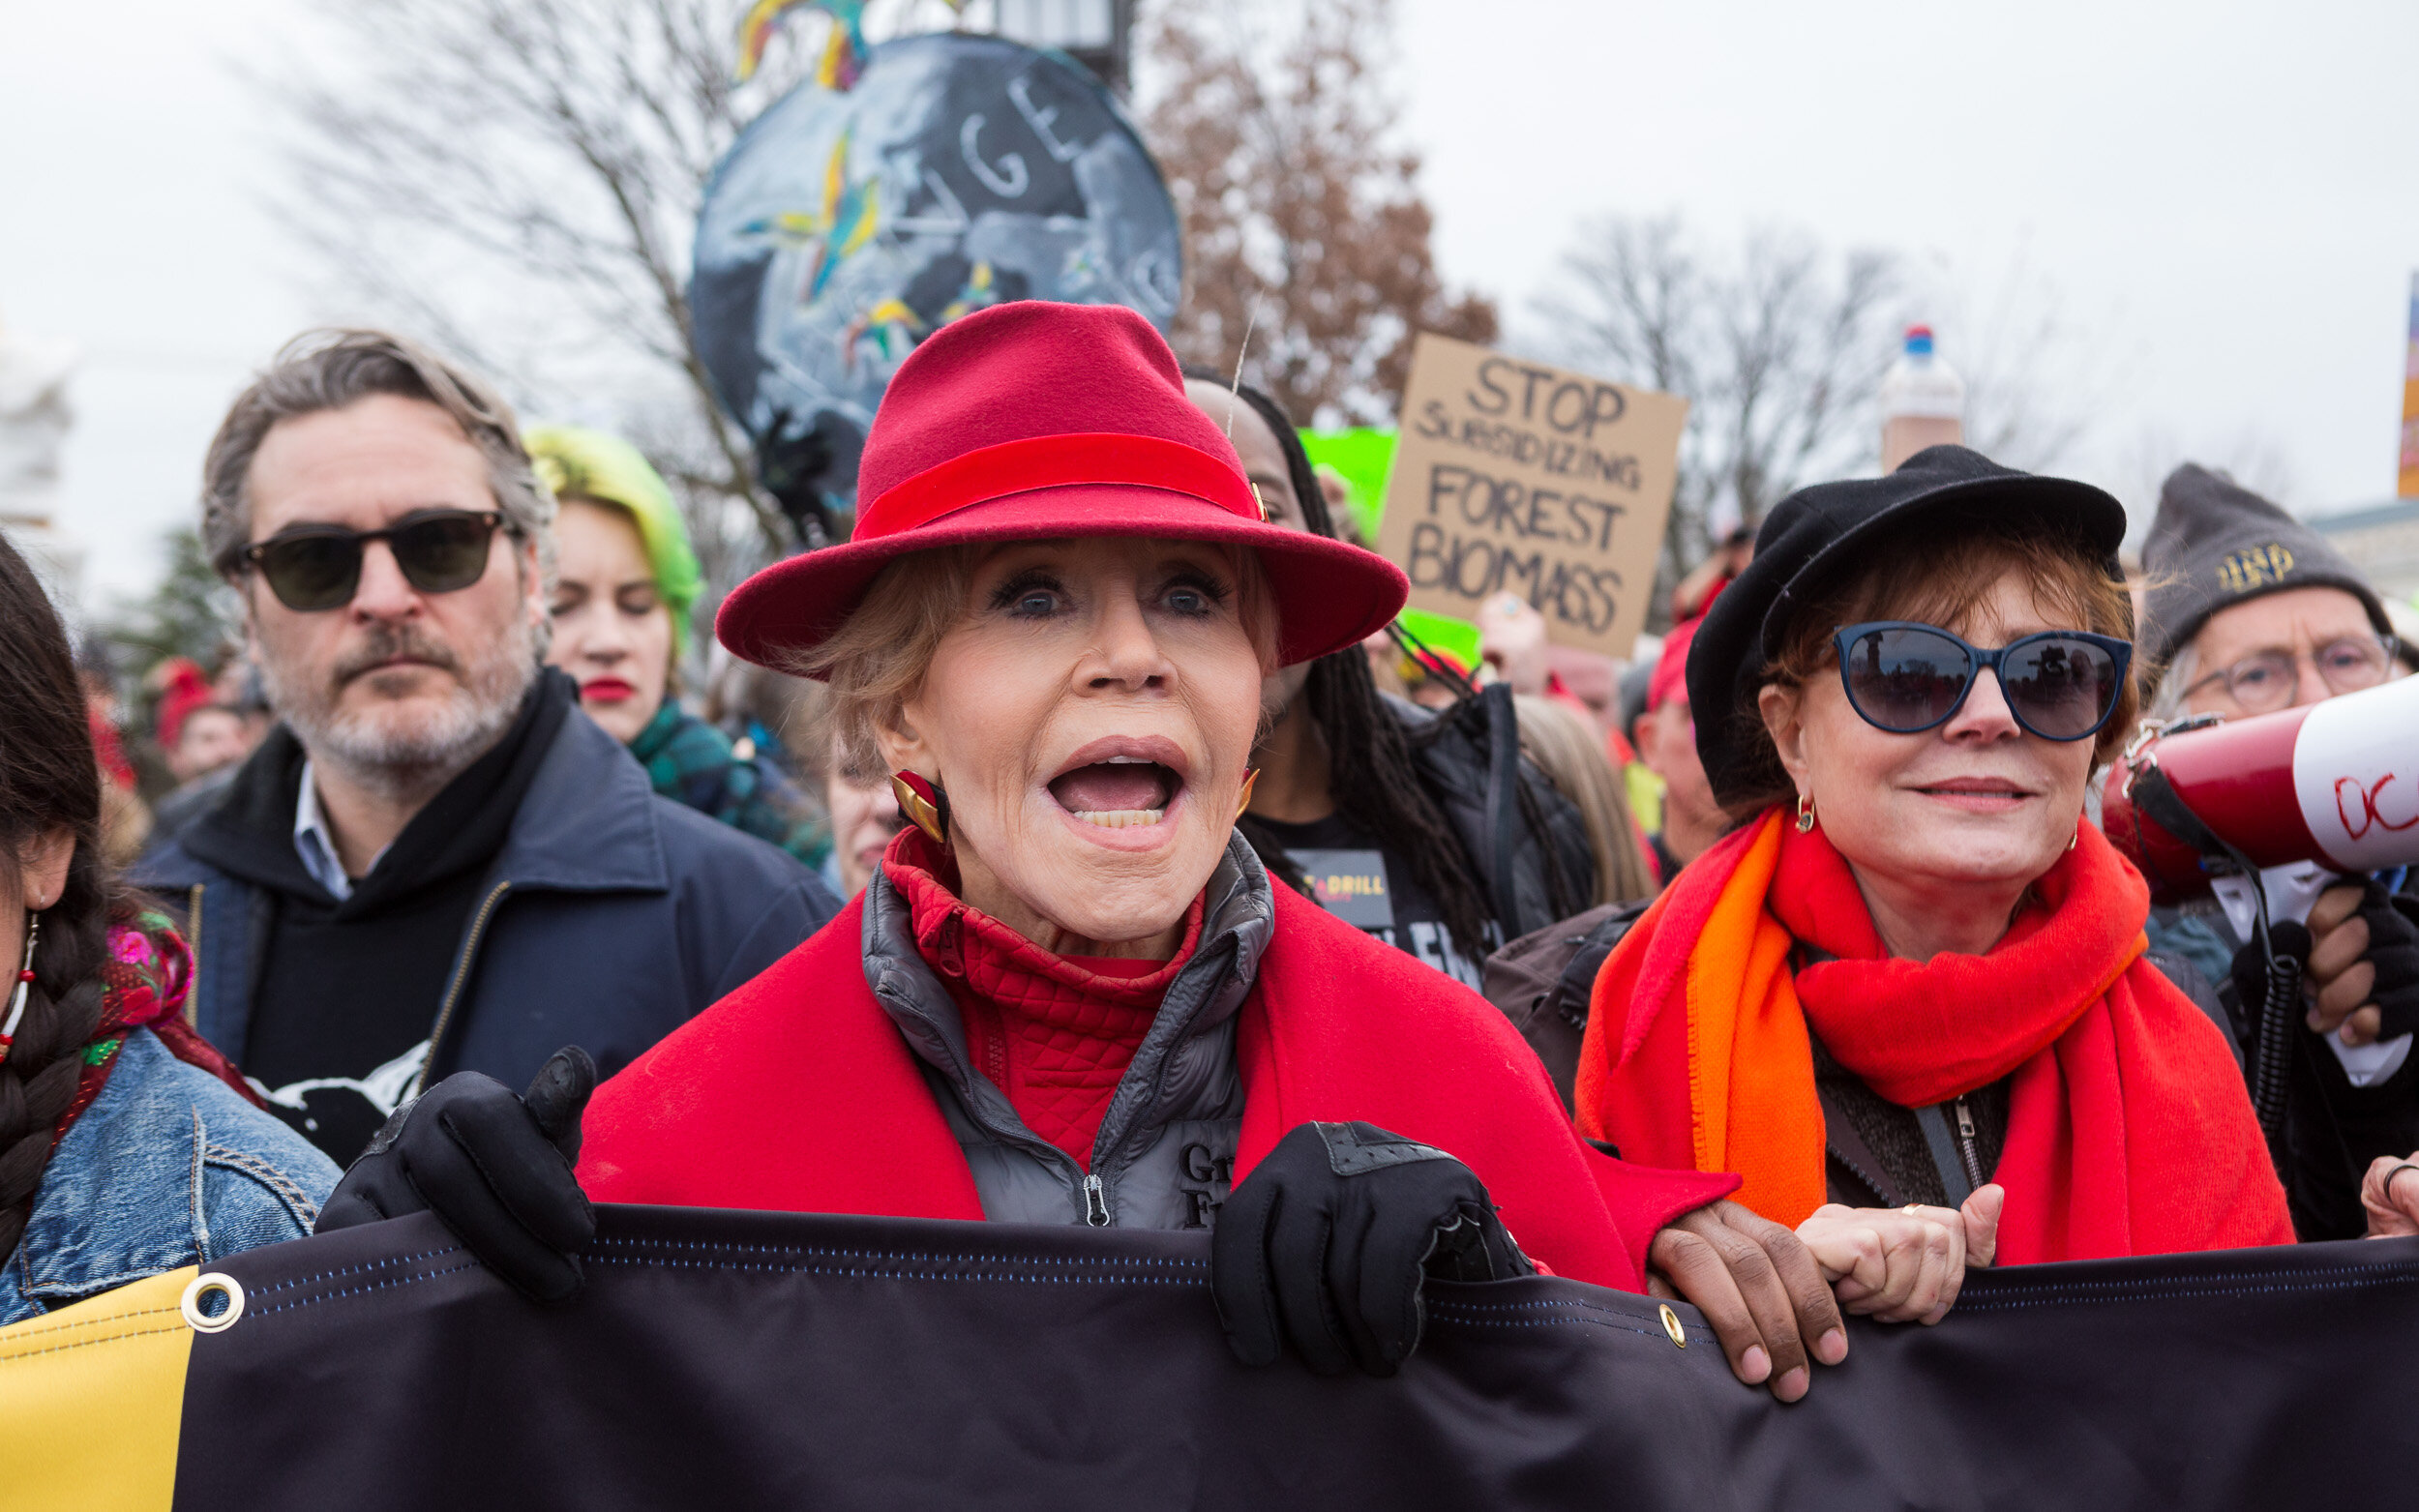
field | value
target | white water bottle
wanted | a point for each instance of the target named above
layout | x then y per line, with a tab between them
1923	401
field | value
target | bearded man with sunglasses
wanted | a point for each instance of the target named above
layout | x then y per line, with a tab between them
1906	997
2250	611
438	862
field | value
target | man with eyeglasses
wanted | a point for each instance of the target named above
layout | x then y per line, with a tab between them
437	863
2250	611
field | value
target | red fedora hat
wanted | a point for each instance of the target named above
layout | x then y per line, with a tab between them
1035	421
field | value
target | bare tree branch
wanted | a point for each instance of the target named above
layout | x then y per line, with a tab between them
1302	221
1778	347
519	181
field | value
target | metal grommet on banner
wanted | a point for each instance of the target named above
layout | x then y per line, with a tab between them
1671	1325
227	1288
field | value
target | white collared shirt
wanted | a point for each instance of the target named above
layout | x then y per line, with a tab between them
315	845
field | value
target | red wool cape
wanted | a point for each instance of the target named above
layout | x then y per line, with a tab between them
796	1094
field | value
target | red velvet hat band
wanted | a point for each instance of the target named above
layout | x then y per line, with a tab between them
1049	461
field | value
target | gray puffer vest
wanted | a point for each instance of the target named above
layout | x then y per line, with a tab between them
1165	1155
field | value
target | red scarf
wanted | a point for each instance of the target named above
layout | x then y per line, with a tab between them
1054	1032
145	983
2129	1131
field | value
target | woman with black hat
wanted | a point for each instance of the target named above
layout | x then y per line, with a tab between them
1069	993
1909	988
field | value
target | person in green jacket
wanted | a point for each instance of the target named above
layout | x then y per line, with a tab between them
626	580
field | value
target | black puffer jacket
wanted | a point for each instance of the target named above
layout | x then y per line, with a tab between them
1528	841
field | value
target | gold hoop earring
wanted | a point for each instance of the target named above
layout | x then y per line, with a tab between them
1243	800
924	804
1806	813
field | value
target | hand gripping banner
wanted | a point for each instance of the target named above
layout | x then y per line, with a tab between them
755	1360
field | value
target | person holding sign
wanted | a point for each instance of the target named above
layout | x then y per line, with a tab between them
1070	994
1906	999
1382	806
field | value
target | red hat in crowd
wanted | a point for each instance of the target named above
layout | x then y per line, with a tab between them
1034	421
185	692
1671	669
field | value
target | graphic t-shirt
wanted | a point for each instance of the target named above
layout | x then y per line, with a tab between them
349	988
1368	884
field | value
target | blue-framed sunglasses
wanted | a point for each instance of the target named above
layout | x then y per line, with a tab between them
1906	677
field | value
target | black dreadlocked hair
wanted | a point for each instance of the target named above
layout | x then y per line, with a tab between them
1370	769
48	777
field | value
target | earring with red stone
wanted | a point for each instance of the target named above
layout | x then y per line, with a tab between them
924	804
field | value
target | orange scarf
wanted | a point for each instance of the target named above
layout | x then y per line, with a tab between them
2128	1130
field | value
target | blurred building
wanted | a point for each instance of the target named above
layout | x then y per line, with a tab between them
2383	542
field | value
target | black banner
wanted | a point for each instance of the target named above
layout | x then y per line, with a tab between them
746	1360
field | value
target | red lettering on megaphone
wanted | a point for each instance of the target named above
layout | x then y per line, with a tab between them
2369	816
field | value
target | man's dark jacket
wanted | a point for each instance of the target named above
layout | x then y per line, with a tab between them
608	917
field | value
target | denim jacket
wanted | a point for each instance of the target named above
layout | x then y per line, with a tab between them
167	1167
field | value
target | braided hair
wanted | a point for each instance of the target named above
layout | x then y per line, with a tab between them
48	777
1377	785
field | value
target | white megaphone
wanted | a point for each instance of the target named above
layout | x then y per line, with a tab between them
2335	783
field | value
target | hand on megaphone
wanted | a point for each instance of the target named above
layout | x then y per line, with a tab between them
2364	966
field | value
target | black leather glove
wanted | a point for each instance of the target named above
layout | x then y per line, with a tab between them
2394	950
792	462
1329	1242
494	1166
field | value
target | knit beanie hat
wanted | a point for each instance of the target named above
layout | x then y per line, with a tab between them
2214	545
576	462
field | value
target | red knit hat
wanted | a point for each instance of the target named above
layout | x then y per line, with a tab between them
1671	669
1033	420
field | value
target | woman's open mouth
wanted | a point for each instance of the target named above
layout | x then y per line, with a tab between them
1121	783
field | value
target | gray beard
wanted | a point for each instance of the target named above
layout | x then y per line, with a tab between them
409	763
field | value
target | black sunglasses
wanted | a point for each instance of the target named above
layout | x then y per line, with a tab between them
1905	677
318	567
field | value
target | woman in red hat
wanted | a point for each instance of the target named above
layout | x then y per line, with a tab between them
1070	994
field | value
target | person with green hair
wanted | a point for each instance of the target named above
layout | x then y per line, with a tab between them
626	580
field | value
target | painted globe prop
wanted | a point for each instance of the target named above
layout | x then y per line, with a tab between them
844	227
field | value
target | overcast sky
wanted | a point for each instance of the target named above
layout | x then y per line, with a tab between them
2216	201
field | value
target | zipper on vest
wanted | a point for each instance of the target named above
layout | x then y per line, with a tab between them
951	945
1095	1203
1969	1153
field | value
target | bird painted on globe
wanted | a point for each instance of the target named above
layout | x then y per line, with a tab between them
894	326
849	218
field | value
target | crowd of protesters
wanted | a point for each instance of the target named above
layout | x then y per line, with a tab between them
1079	836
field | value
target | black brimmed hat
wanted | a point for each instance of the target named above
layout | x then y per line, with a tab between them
2214	543
1816	536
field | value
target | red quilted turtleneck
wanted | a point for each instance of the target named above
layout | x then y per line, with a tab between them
1054	1032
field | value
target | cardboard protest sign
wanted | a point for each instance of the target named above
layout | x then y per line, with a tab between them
1514	477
